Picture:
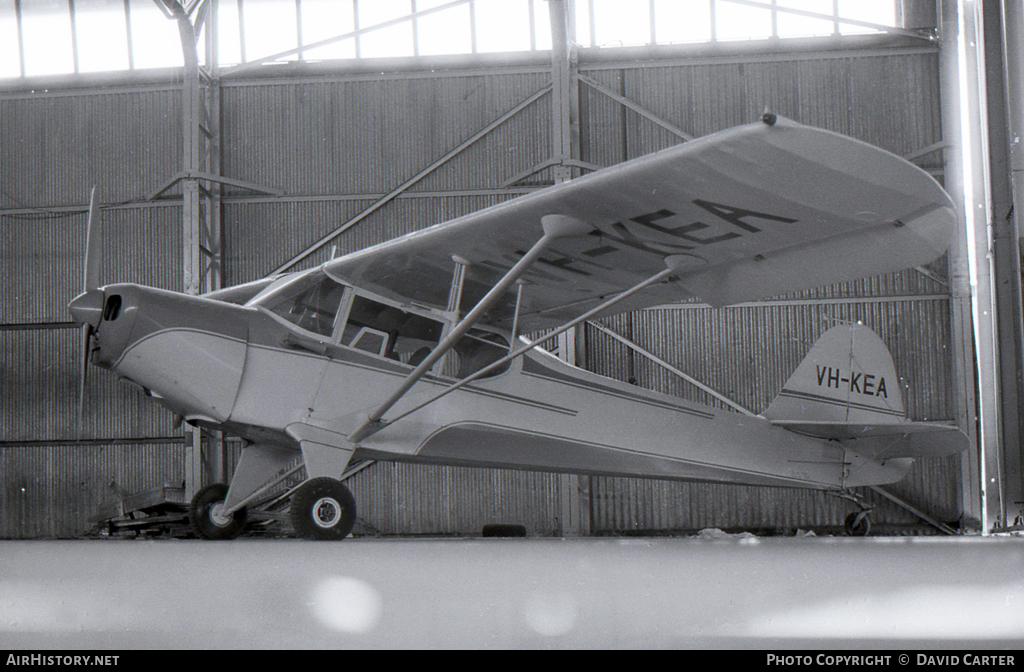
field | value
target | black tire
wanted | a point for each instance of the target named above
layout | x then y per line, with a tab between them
201	514
855	527
322	509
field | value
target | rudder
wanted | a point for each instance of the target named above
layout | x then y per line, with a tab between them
848	377
847	389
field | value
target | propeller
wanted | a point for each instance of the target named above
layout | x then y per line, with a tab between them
86	302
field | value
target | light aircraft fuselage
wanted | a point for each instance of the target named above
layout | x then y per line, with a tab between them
402	351
252	373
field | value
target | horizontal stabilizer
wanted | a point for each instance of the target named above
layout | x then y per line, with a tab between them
903	439
846	389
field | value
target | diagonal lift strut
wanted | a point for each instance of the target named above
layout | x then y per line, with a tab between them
555	227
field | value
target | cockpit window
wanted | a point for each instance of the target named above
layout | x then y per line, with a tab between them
409	337
478	349
310	303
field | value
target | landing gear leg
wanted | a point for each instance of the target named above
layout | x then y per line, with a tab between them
857	524
206	519
322	509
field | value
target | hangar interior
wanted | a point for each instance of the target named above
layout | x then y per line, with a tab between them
230	140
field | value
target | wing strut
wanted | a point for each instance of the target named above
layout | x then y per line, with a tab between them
672	263
555	227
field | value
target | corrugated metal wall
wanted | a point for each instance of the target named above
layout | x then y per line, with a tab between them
335	145
54	146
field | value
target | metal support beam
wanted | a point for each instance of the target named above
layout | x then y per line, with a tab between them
394	193
215	178
642	111
356	34
202	269
938	524
934	147
980	260
962	332
972	311
1004	59
544	165
671	369
565	148
21	37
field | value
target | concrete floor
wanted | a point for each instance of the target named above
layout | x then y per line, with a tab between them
772	593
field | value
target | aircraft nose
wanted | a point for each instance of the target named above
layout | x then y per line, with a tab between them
87	307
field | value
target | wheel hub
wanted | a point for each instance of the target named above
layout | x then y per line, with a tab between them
218	517
326	512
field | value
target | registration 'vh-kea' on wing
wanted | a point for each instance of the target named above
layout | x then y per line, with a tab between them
750	212
408	350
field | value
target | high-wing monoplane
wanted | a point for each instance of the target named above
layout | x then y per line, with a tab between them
412	349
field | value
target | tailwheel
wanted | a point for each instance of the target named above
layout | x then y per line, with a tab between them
857	524
323	509
206	519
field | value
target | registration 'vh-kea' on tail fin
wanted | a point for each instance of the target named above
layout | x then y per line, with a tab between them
846	389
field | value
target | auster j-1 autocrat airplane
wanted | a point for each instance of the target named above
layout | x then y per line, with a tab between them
410	350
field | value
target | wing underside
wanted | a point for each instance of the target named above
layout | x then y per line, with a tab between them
753	211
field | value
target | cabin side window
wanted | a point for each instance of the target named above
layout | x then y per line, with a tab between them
310	304
409	338
390	332
476	350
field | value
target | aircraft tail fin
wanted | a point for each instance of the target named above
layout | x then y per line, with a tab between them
846	389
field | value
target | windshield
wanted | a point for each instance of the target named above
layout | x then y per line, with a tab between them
310	302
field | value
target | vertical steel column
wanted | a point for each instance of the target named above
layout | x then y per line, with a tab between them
201	206
190	208
574	490
74	34
213	276
20	19
971	261
982	270
128	34
1003	248
961	328
1009	28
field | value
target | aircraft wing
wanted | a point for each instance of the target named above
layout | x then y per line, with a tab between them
754	211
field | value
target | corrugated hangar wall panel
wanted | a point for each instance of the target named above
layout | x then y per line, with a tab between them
39	378
40	271
52	491
44	258
260	236
632	505
893	102
764	345
396	498
357	140
602	120
365	137
126	143
629	505
889	101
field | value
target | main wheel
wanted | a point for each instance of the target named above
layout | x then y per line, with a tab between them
857	524
205	518
323	508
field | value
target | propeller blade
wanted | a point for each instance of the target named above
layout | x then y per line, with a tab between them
93	250
83	374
